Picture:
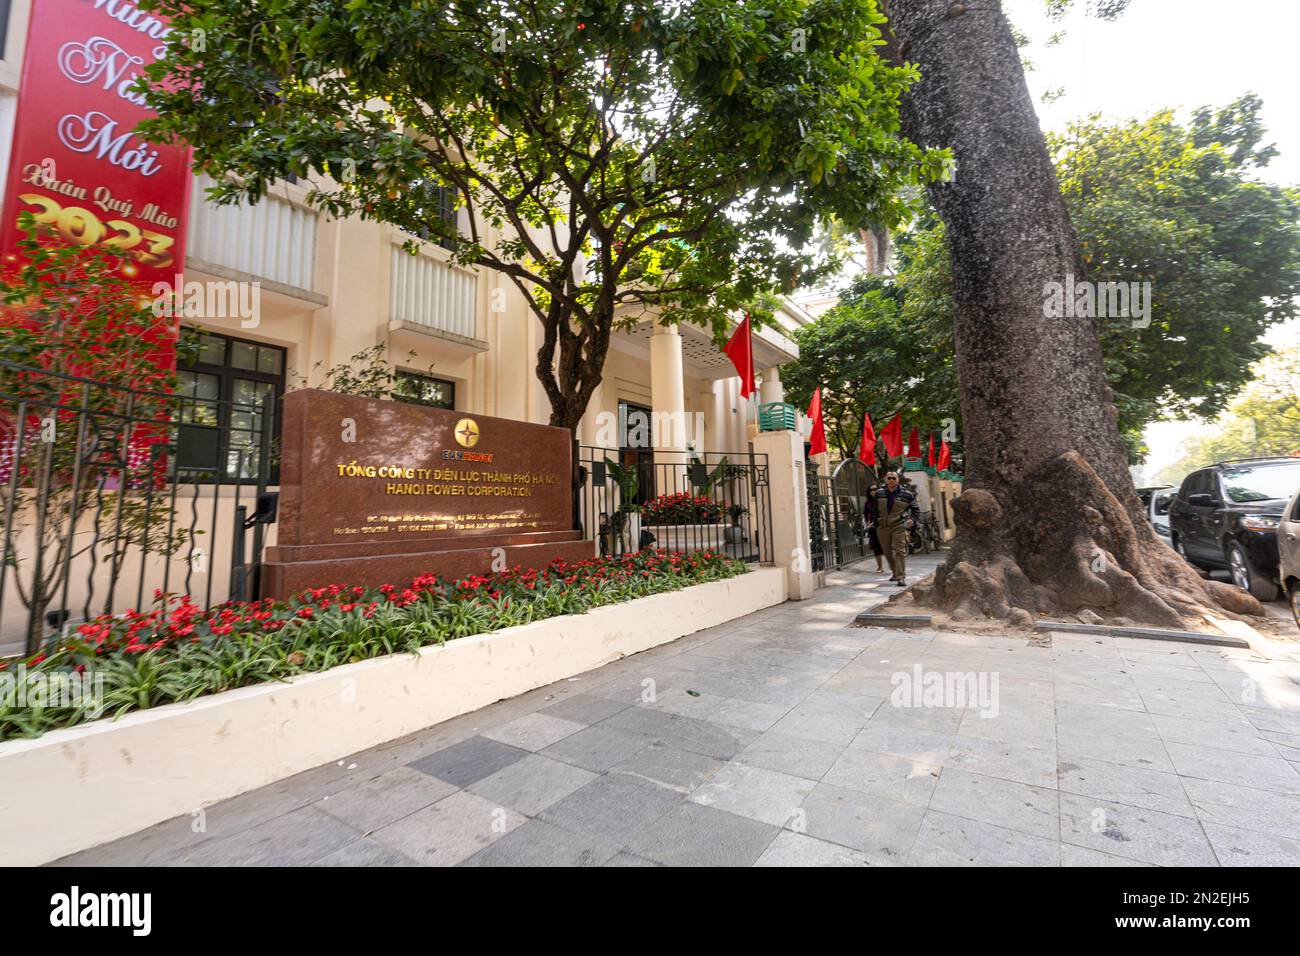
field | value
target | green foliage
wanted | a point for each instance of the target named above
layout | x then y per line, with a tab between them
871	357
1101	9
724	471
637	158
1152	201
368	373
627	477
178	652
682	507
84	349
1179	207
628	480
1263	421
75	311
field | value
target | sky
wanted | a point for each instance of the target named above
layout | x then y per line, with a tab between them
1180	54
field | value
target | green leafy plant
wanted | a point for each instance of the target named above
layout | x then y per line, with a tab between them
723	472
682	508
628	481
622	160
177	651
368	373
87	358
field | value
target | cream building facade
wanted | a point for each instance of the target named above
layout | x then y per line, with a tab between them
329	290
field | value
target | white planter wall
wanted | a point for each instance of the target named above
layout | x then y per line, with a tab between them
77	788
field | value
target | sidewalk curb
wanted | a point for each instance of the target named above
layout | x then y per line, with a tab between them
872	619
1149	633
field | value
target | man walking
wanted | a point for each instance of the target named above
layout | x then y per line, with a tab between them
895	516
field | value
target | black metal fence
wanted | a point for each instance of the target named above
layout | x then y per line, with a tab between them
108	492
837	514
711	501
818	536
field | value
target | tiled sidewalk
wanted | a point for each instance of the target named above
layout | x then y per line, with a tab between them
773	740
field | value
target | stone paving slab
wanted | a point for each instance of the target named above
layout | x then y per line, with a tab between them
791	738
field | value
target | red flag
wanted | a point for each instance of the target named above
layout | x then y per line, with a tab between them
914	444
945	457
930	457
741	352
892	436
818	445
867	450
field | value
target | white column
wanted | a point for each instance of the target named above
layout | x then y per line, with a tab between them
791	548
589	429
718	424
746	409
773	390
667	394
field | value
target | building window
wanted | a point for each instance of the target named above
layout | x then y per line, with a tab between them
228	380
447	202
442	204
424	390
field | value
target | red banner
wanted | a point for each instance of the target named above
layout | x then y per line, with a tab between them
77	165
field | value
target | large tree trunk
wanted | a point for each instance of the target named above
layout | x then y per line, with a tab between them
1049	521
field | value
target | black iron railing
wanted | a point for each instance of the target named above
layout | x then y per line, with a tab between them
108	492
678	501
818	519
838	514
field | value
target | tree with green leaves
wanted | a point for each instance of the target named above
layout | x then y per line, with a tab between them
1263	421
614	159
870	358
1152	200
1049	522
1181	206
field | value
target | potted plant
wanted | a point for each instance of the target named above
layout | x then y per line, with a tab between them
735	534
681	508
628	513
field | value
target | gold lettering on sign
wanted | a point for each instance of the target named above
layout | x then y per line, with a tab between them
443	482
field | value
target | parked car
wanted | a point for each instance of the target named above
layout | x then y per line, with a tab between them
1288	547
1227	516
1156	502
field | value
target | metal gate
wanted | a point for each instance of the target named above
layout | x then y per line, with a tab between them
837	522
715	501
109	493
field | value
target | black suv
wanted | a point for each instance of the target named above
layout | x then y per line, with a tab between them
1226	516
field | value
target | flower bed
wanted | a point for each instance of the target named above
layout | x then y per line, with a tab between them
177	651
681	508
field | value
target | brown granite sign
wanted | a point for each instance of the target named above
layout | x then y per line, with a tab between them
375	492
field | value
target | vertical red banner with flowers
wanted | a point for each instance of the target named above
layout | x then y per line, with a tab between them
77	165
89	181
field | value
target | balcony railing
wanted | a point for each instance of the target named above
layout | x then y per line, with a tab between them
273	239
433	294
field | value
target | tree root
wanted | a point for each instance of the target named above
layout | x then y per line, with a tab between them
1060	543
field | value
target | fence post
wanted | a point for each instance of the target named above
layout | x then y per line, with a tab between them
791	547
238	570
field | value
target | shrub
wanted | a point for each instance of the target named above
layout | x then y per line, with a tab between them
177	651
681	508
